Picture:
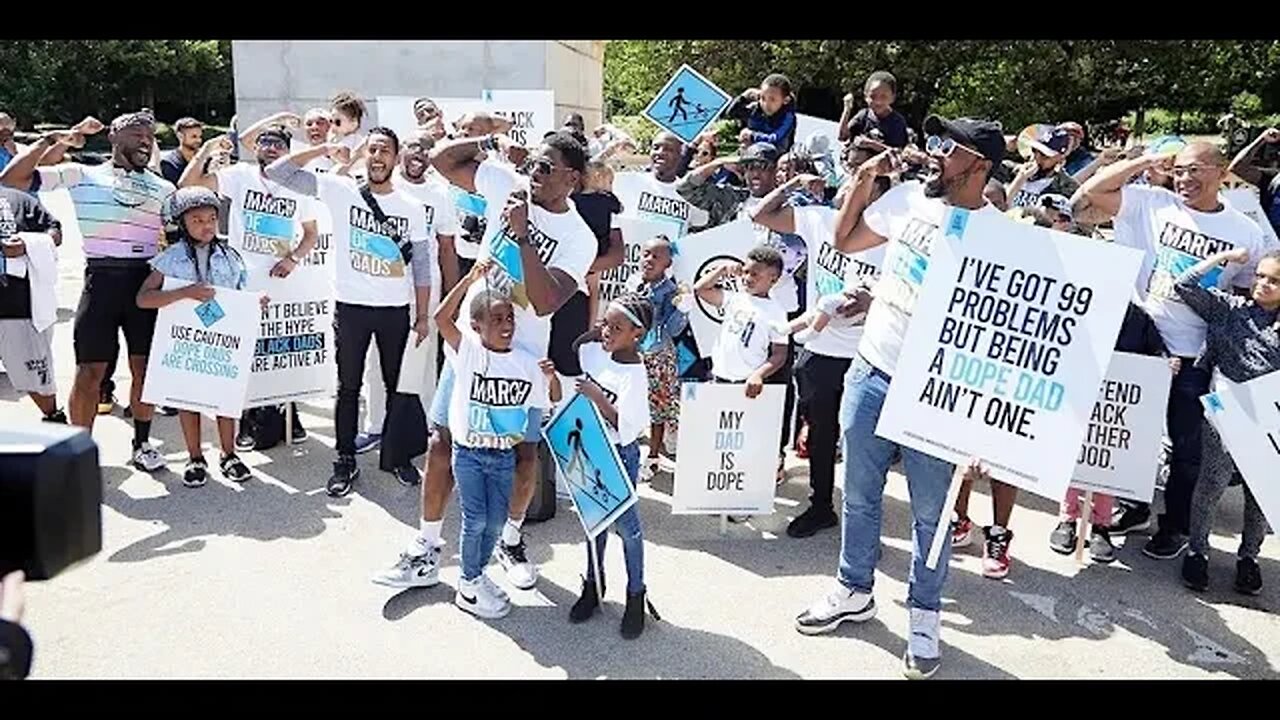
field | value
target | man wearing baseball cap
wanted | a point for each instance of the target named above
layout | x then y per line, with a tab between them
1044	172
962	155
120	208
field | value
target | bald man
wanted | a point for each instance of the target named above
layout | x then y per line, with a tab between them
1176	229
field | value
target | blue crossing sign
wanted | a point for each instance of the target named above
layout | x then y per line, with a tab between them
687	104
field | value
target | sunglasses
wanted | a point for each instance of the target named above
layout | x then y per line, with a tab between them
538	166
754	165
935	145
269	141
1188	170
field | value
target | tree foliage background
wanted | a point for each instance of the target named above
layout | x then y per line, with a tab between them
1017	82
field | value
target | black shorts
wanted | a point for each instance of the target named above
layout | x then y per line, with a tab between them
109	304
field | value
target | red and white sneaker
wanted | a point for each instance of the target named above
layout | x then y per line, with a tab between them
995	555
961	533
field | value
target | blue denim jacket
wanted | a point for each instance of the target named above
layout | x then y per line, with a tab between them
668	322
226	267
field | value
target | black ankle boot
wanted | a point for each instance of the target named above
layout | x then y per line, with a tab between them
587	603
633	617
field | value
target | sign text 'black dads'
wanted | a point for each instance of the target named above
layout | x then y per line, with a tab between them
289	337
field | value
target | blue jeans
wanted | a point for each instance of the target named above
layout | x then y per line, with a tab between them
867	458
484	480
628	526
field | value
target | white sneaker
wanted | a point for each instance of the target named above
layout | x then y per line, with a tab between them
922	658
412	571
146	458
494	587
840	605
477	598
520	572
648	469
669	443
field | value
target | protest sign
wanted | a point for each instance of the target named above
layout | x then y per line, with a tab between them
1246	201
294	357
396	111
808	127
531	112
635	233
1121	449
1247	417
699	254
201	353
589	464
687	104
728	459
1011	335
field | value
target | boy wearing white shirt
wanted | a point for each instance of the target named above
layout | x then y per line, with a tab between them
383	255
749	348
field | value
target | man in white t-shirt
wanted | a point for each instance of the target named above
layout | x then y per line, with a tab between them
1177	229
962	155
412	177
823	361
541	250
384	251
652	195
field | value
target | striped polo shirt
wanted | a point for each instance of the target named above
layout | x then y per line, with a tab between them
120	211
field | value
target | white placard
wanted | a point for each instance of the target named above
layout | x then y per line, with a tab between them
1246	201
699	254
728	461
635	233
1010	338
201	353
808	126
294	357
396	111
1247	416
531	112
1121	448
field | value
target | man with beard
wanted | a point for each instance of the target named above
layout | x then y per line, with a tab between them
1044	173
265	219
412	176
1175	230
190	135
555	250
962	155
120	206
383	255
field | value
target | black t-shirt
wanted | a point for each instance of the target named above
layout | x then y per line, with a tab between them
892	126
598	209
19	212
172	164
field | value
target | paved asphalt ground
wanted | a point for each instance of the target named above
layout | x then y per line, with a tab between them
271	580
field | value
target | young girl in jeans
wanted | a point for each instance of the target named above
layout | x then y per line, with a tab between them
1243	343
207	262
614	379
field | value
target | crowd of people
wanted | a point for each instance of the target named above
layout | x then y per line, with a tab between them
423	231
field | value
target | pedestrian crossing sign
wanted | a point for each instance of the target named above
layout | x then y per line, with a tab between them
687	104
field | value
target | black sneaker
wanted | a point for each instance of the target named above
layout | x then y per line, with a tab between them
196	473
244	437
1248	576
811	521
1195	572
106	403
1132	519
1236	479
1063	538
345	473
1100	548
408	475
57	418
167	411
234	469
633	616
587	603
1165	545
299	432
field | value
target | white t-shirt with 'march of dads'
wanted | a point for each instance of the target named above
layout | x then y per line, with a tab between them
1175	238
911	221
747	334
266	218
368	267
492	395
646	197
562	241
830	272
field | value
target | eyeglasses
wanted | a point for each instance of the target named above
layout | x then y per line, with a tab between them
754	165
270	141
1188	170
935	145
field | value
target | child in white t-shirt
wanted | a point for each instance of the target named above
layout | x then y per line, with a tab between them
750	348
495	388
614	379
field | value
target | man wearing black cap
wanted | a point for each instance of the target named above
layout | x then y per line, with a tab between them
962	154
1044	172
265	219
120	208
